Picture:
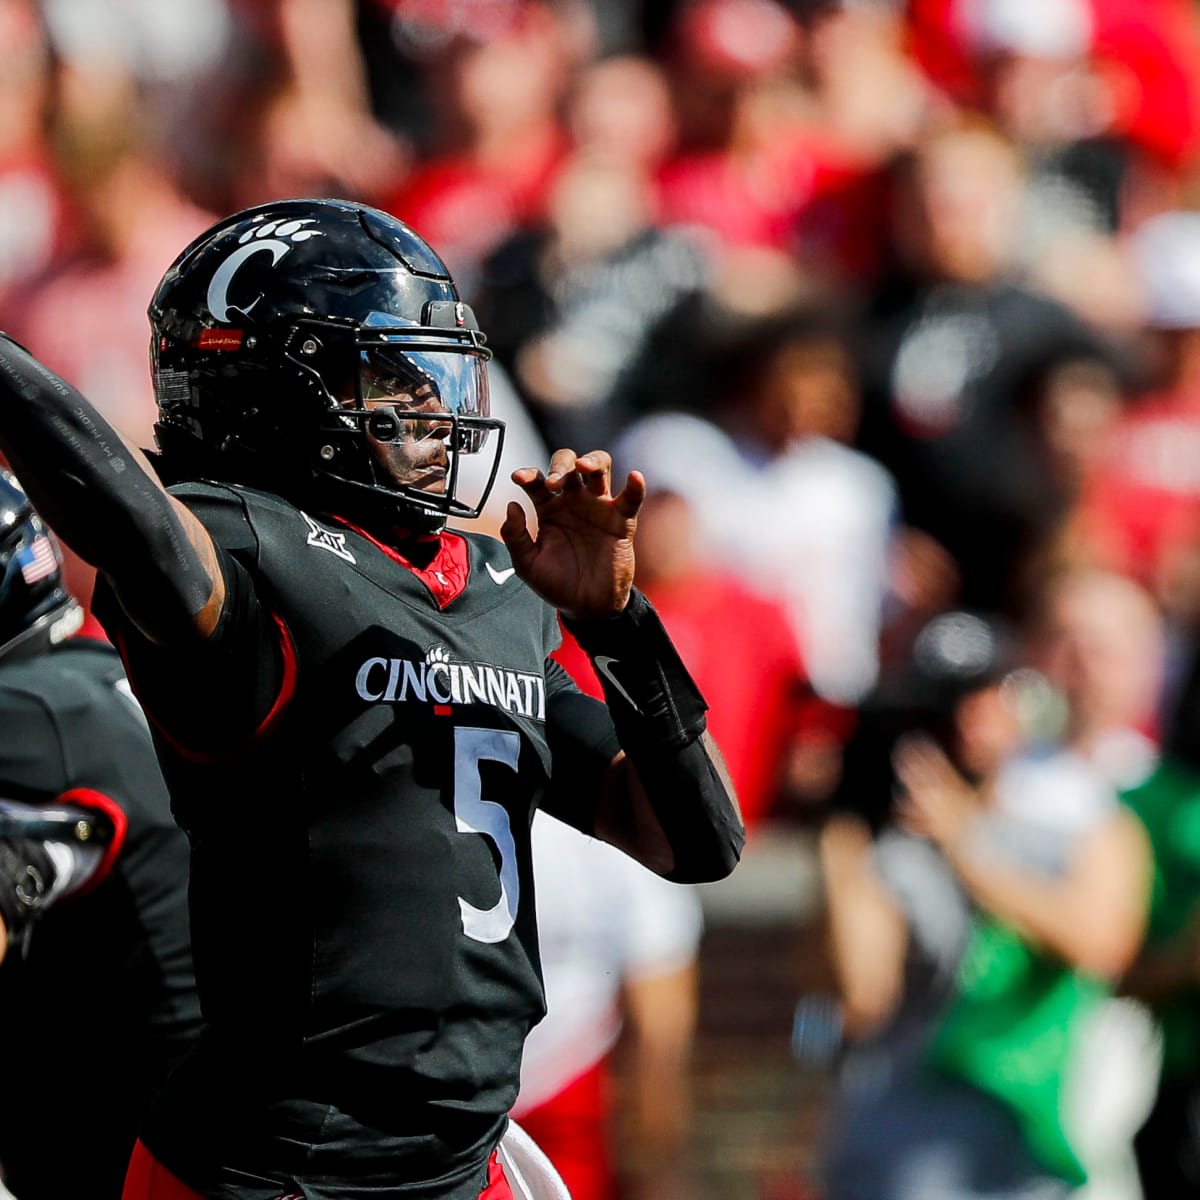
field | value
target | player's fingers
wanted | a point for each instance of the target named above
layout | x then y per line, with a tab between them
562	467
515	534
533	483
595	469
632	496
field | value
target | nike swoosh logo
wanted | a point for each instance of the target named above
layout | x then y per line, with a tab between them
602	665
500	577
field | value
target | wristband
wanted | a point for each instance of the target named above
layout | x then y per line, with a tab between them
642	674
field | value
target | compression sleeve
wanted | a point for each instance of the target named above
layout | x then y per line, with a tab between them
659	717
95	494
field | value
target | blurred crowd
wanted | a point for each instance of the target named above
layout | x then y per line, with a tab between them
897	307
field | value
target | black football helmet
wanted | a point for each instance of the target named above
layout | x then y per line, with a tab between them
36	611
274	330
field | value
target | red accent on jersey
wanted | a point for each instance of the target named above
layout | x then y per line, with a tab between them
287	689
148	1179
89	798
443	710
446	575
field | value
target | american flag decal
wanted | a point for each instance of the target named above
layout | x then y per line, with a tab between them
36	559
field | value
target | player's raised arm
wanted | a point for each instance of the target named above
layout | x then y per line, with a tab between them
103	499
667	799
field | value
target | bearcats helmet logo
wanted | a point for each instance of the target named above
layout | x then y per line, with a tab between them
252	242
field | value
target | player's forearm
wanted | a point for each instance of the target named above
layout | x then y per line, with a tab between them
695	832
98	493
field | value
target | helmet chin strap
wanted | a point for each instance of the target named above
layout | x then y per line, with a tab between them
389	514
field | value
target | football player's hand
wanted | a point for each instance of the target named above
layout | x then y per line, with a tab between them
582	558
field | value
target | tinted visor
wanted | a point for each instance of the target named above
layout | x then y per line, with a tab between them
416	385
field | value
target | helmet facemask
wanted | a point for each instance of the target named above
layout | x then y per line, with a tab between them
402	405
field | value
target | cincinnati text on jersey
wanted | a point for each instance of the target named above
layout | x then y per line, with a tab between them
439	681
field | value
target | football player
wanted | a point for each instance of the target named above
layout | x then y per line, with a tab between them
354	706
97	993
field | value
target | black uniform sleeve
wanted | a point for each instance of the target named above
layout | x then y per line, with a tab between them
83	480
34	773
659	716
583	743
33	761
209	699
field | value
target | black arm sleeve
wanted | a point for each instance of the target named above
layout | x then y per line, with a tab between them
98	499
583	744
659	717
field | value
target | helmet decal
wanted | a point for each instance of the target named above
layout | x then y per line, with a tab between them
249	244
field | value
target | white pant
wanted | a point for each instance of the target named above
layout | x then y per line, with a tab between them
530	1174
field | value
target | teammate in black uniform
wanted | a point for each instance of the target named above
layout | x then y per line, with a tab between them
354	707
97	994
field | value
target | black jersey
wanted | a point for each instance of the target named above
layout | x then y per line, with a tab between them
361	888
104	1001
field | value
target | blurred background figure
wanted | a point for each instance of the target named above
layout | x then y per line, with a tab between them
1099	639
501	137
572	300
974	940
619	953
124	218
781	497
956	353
30	210
1140	512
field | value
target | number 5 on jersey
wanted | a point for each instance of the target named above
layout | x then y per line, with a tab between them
473	814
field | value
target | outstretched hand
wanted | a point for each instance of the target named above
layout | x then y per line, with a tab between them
582	559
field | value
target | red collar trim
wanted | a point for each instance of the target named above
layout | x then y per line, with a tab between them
446	575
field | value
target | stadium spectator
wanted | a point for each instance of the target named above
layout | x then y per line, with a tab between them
1140	510
955	355
296	114
574	301
571	301
97	971
356	686
1099	639
780	496
30	206
971	940
84	312
502	140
